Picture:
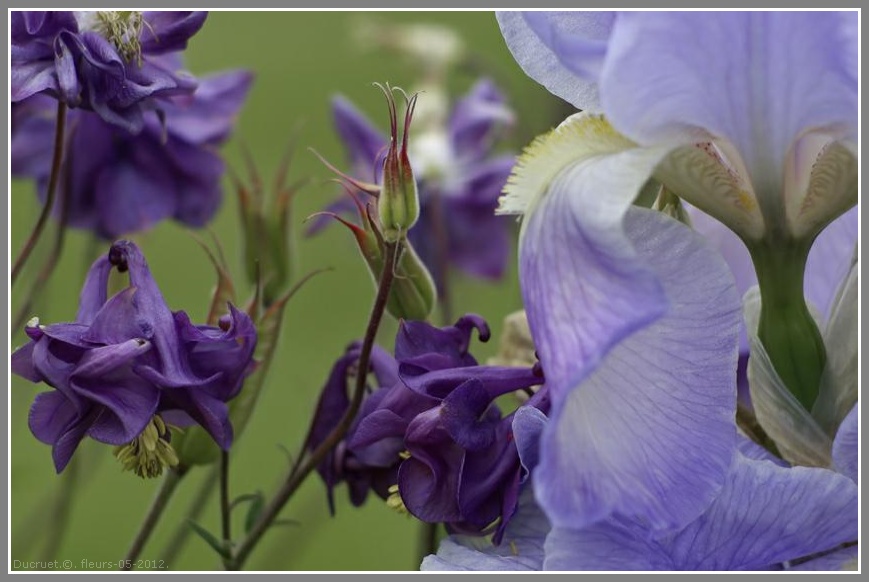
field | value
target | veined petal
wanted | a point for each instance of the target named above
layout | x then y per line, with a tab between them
615	309
797	435
846	445
765	515
563	51
768	514
758	79
641	392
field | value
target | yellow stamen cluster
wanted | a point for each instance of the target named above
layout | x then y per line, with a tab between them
394	500
150	452
123	29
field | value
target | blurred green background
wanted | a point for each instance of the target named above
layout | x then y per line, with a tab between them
300	59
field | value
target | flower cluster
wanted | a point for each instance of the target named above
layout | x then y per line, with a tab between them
128	368
429	438
111	63
119	183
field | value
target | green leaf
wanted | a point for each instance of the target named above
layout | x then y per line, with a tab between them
244	498
212	541
253	513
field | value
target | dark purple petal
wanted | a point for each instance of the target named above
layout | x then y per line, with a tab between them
476	117
494	380
364	143
21	363
467	416
120	320
211	114
129	404
94	291
210	413
99	362
429	479
445	347
132	198
65	446
64	68
51	415
29	79
72	334
169	31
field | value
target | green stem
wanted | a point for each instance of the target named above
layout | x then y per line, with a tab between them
298	474
182	533
56	160
225	510
786	328
41	281
161	500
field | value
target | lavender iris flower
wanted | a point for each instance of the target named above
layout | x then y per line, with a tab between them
459	177
767	516
106	62
636	318
430	439
127	359
120	183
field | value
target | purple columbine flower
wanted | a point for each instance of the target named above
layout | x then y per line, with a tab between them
106	62
430	439
120	183
128	366
459	177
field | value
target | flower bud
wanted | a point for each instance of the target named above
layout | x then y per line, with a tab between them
413	294
398	204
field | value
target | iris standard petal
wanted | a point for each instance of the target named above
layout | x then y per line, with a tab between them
536	39
732	82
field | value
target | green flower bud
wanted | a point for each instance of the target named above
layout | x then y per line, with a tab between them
398	203
413	294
